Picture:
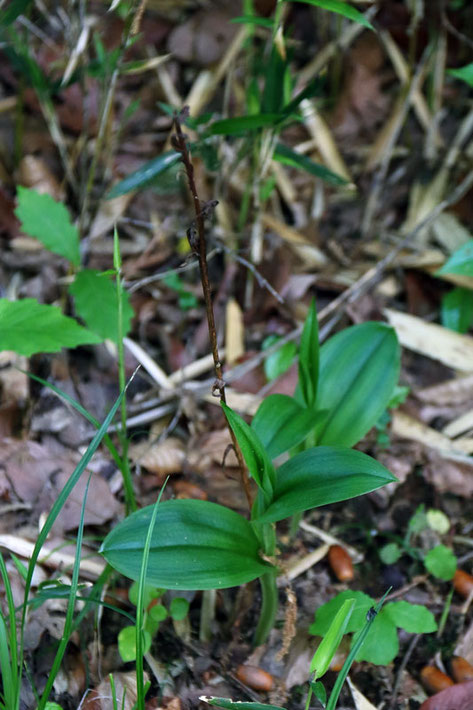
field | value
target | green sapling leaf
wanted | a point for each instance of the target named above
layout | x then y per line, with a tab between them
457	309
441	562
460	262
158	612
325	613
29	327
319	691
96	302
48	221
127	643
309	358
281	423
341	8
390	553
381	645
179	608
464	73
414	618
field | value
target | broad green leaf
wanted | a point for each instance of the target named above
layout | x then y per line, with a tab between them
258	462
96	302
309	358
319	691
441	562
280	361
326	650
145	175
414	618
325	614
464	73
359	369
281	423
243	124
29	327
195	545
341	8
390	553
274	78
460	262
457	309
228	704
127	643
287	156
48	221
381	645
322	475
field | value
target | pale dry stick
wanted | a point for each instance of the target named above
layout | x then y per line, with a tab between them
132	287
397	683
198	242
387	140
329	539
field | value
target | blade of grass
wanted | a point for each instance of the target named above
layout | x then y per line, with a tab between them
55	510
70	606
140	696
8	646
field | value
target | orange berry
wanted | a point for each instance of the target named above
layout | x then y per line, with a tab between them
463	583
255	678
461	669
340	563
434	680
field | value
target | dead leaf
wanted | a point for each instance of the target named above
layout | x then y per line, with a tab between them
454	391
234	332
162	459
457	697
100	698
448	474
109	212
34	173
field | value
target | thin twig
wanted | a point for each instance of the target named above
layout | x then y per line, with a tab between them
197	240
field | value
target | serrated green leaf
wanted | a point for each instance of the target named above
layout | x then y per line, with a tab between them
195	545
48	221
281	423
145	175
460	262
381	645
322	475
464	73
325	614
441	562
96	302
457	309
359	368
414	618
242	124
309	358
258	462
341	8
29	327
285	155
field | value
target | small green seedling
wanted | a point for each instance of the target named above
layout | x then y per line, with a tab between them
28	327
381	645
457	304
340	396
156	612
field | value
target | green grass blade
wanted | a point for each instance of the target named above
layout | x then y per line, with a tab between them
55	510
140	696
8	646
70	606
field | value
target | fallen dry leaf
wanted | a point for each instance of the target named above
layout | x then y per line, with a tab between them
100	698
449	474
163	458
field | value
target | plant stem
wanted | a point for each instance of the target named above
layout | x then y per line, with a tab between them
269	607
199	245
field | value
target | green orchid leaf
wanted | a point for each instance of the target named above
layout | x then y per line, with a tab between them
325	614
309	358
359	369
285	155
258	462
457	309
381	645
414	618
322	475
281	423
29	327
48	221
195	545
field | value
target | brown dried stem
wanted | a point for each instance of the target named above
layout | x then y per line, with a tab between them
197	240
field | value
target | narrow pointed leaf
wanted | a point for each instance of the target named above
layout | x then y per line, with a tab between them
359	369
341	8
281	423
242	124
145	175
309	357
285	155
322	475
195	545
460	262
258	462
228	704
325	652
